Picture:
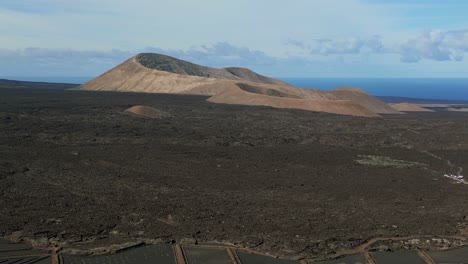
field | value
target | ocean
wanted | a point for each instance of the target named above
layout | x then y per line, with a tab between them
428	88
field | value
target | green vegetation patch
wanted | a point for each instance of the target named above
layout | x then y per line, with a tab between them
169	64
383	161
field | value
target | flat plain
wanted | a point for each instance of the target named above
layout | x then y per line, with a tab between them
78	169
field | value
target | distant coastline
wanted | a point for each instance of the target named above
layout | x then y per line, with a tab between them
50	79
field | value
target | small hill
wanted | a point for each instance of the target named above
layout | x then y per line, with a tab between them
343	107
156	73
144	111
361	97
408	107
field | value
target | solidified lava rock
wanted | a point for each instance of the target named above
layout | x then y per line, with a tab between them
278	180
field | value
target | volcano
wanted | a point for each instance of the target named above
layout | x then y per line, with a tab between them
157	73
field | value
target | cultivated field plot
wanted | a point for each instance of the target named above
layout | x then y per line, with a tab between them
15	253
77	169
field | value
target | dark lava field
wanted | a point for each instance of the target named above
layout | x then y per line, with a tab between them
76	169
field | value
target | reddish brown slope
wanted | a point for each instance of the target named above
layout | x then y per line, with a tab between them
344	107
407	107
360	97
131	76
252	76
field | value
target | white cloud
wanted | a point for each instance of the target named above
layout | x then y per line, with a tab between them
296	43
348	46
435	45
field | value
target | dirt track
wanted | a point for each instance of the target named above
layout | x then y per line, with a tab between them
75	168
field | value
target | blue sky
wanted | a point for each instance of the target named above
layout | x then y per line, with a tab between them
295	38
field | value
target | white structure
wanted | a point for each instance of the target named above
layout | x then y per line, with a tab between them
457	178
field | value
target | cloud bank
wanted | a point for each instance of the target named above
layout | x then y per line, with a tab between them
348	46
42	61
323	55
435	45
